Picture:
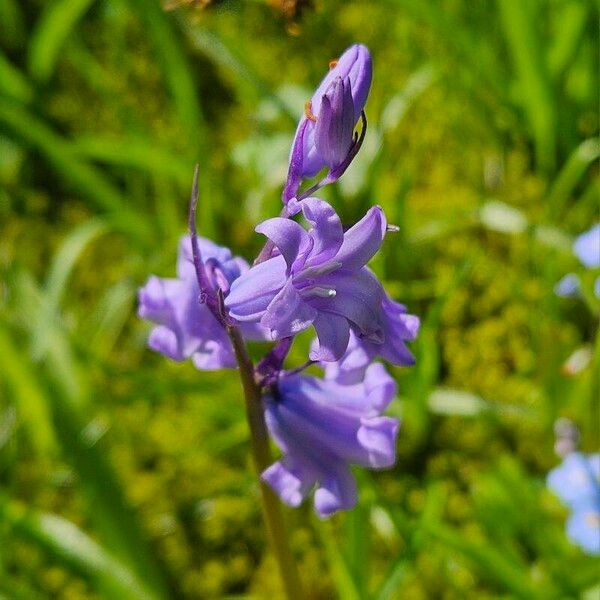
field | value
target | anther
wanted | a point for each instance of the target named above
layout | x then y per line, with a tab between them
392	228
308	113
333	63
318	291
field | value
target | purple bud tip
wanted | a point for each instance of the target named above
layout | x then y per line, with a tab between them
324	137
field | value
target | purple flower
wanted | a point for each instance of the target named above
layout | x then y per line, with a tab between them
185	327
398	328
587	247
322	427
324	137
318	279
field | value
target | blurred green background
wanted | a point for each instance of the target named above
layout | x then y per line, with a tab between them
124	475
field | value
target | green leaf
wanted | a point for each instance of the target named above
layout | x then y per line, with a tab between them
115	520
29	398
84	177
69	544
492	564
224	55
340	572
61	268
137	153
570	175
13	83
50	32
519	21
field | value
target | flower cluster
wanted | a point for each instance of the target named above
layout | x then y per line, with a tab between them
577	483
314	276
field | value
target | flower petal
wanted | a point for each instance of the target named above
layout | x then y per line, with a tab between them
215	354
336	492
291	239
354	63
363	240
288	313
163	340
335	124
290	481
333	332
587	247
251	294
208	249
380	387
358	298
377	435
326	230
568	286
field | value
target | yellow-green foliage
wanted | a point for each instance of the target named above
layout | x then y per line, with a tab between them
486	221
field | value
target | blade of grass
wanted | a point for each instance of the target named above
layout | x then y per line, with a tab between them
29	398
13	83
49	34
82	176
340	572
357	543
29	299
223	55
180	81
490	563
525	46
67	543
114	519
60	271
109	318
565	183
12	24
135	153
388	591
572	19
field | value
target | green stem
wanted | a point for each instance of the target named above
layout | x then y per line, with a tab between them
261	453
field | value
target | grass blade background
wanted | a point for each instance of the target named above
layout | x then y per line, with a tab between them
50	32
71	545
519	20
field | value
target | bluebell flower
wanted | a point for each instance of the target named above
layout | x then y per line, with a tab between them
583	527
322	427
186	327
568	286
319	278
325	134
399	327
587	249
577	483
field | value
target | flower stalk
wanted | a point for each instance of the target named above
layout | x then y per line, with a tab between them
261	454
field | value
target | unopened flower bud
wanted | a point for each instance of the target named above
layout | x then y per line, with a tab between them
324	137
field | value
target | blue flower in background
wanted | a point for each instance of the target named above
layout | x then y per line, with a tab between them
577	483
583	527
587	249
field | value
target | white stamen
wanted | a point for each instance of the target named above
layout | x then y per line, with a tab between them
392	228
318	271
319	291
